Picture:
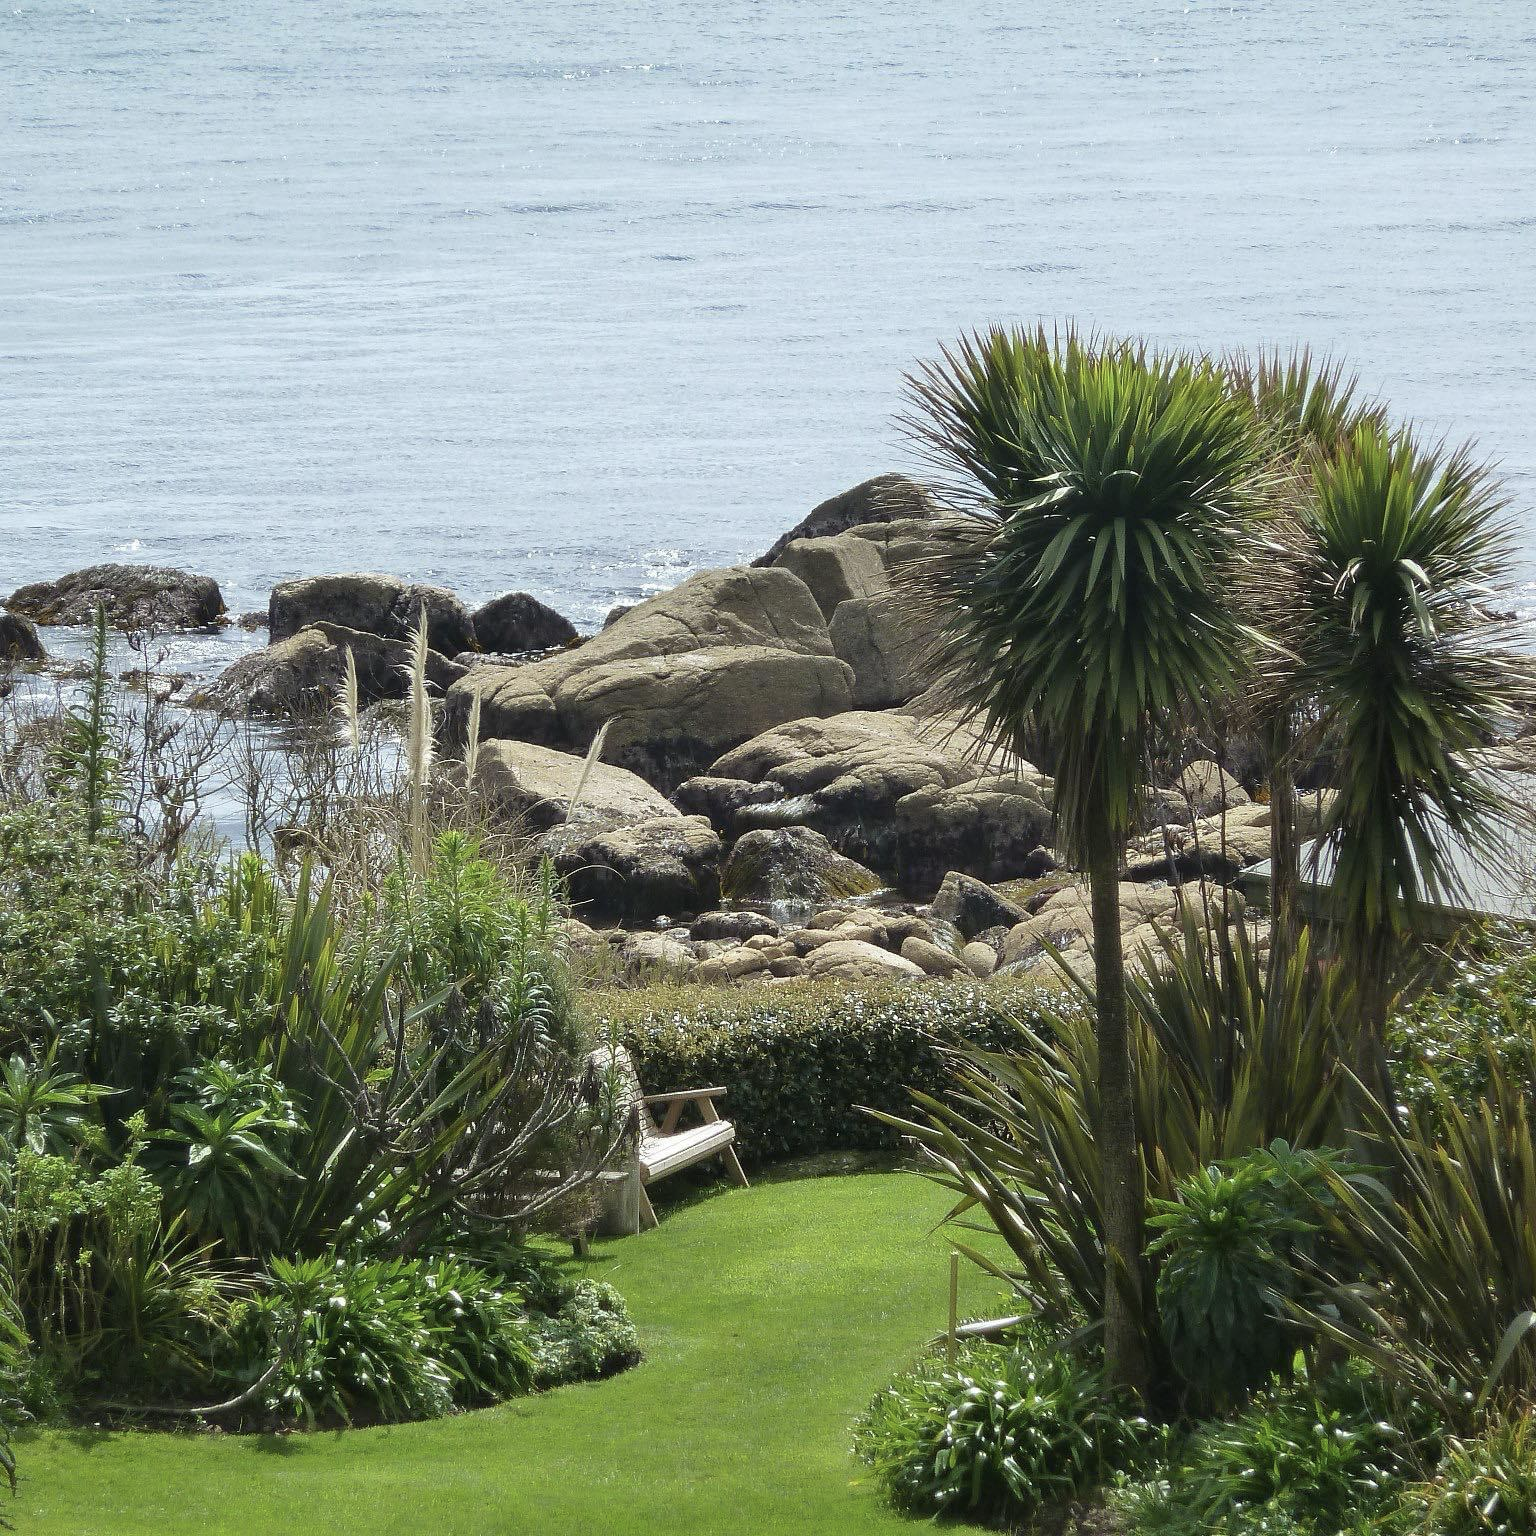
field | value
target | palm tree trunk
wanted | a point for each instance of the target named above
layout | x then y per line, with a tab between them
1284	857
1125	1355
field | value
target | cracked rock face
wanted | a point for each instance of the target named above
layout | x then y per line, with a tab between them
376	605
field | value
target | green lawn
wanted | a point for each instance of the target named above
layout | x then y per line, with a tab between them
769	1317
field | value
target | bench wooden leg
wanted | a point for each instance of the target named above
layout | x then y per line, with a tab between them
647	1214
733	1167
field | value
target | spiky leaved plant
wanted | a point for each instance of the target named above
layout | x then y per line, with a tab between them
85	763
1404	547
1081	592
1306	407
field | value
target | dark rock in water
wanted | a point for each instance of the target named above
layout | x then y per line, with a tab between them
616	613
885	499
637	871
793	864
375	605
721	799
517	621
305	673
151	597
973	906
732	925
251	622
18	639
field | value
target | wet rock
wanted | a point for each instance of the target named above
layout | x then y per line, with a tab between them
884	499
973	906
722	799
738	926
18	640
376	605
305	673
636	871
792	864
989	828
517	622
134	597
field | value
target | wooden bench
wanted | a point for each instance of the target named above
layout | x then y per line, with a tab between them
660	1148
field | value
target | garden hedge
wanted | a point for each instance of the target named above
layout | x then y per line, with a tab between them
799	1061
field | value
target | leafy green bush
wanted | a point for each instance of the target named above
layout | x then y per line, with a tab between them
1224	1062
801	1062
231	1131
1483	1487
381	1340
1009	1430
1320	1454
1446	1038
588	1335
1229	1245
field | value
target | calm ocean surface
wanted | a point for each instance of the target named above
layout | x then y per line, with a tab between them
581	297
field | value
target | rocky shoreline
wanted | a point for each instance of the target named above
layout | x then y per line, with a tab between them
777	793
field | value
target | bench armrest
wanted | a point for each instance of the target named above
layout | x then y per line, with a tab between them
683	1096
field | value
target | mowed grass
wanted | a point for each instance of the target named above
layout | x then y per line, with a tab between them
769	1317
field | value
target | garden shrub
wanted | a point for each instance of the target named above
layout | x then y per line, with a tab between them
1009	1430
380	1340
1483	1487
588	1335
1318	1453
801	1062
1231	1245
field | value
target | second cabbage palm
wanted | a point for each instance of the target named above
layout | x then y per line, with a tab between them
1080	593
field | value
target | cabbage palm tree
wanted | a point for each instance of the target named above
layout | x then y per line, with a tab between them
1307	409
1080	593
1404	547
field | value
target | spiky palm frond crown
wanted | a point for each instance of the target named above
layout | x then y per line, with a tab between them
1305	407
1080	588
1405	547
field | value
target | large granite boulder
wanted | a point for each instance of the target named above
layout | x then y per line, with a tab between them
1202	789
973	906
891	791
376	605
134	597
305	673
677	680
538	786
857	960
1213	848
886	498
792	864
836	569
885	646
18	640
990	828
633	872
518	621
